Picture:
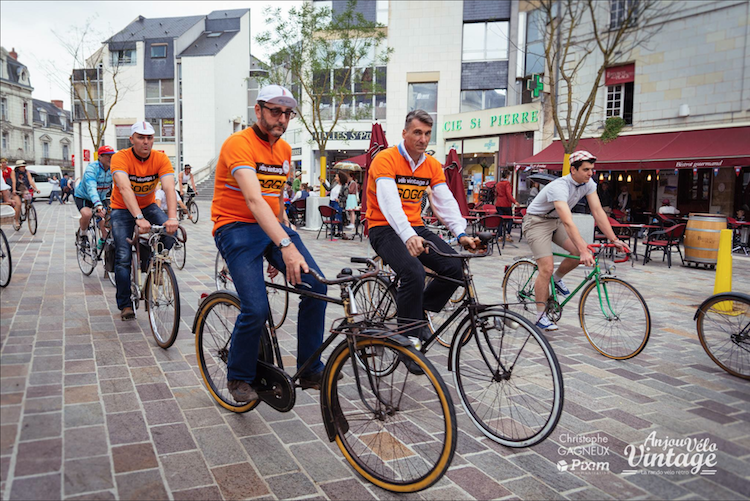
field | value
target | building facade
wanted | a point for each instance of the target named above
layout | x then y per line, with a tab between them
684	97
16	122
187	76
53	134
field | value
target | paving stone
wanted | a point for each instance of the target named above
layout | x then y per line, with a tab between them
113	372
172	438
92	496
121	402
119	385
133	457
247	424
477	484
10	414
85	442
80	379
186	470
39	456
219	446
239	481
199	418
89	474
127	427
198	494
530	488
36	488
145	485
319	462
182	378
45	390
192	398
79	366
292	432
81	394
346	489
41	426
78	351
269	455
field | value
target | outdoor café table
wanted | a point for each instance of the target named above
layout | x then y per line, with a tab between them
357	222
743	230
472	220
647	227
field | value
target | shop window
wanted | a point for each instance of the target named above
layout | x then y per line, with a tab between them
475	100
620	101
159	91
423	96
159	51
164	128
122	132
485	41
619	10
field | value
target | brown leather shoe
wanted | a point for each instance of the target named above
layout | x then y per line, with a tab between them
241	391
127	313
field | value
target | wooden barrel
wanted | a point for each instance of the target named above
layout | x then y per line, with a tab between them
702	237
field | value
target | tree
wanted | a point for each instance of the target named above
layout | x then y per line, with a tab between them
579	31
92	95
327	58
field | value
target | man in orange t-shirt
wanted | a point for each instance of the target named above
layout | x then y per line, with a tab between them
250	223
136	172
397	179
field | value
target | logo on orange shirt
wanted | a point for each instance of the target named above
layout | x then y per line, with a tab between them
410	188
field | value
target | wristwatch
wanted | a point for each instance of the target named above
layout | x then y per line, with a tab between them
139	216
285	242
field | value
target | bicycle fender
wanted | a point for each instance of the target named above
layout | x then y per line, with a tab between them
400	340
727	295
333	409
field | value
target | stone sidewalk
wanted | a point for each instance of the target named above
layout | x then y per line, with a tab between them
91	408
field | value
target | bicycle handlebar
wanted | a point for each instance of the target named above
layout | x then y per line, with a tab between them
597	248
464	255
364	260
156	230
350	278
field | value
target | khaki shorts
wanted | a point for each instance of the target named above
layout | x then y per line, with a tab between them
540	232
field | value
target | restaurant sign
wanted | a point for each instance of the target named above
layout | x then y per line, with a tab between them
508	120
349	135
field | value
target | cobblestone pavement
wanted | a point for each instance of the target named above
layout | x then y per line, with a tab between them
91	408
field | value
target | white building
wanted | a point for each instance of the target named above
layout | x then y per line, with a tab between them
53	134
16	126
685	100
188	76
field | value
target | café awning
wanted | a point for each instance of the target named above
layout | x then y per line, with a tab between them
699	149
360	160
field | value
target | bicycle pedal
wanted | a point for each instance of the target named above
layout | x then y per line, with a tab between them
274	387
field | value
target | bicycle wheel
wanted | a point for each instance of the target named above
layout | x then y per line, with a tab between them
111	277
213	326
163	304
278	300
6	264
397	431
193	208
375	299
24	211
723	324
221	274
85	253
31	218
518	288
179	254
508	379
616	320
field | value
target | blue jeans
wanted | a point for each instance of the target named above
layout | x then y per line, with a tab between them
243	246
339	214
123	225
55	195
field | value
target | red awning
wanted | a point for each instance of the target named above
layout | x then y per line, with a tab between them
699	149
360	160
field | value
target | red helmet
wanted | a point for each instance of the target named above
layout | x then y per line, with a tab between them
105	150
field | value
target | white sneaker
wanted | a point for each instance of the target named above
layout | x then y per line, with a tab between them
349	227
546	324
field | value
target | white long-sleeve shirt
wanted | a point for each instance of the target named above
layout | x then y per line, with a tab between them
444	204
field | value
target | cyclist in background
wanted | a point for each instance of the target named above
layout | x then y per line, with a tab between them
93	187
549	219
23	186
187	181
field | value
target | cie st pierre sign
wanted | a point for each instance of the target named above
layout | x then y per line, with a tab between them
507	120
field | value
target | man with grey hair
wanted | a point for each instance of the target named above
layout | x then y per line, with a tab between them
398	178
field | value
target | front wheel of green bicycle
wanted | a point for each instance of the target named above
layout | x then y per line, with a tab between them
615	318
518	288
399	430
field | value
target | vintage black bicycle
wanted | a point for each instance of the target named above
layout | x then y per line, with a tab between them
723	324
396	429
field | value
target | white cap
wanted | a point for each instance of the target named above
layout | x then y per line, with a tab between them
143	128
276	94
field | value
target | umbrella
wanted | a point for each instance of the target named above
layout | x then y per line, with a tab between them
347	166
455	182
377	143
542	178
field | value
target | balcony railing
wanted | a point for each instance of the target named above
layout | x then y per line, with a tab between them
55	161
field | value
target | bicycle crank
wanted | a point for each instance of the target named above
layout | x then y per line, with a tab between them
275	387
553	311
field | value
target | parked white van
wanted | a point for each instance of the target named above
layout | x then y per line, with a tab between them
42	174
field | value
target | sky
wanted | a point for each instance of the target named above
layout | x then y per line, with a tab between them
30	27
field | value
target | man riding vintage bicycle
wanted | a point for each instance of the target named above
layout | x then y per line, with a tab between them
549	219
93	187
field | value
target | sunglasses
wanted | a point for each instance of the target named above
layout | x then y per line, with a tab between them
276	112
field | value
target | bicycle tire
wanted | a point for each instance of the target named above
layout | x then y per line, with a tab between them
518	289
724	332
278	300
32	220
179	254
622	299
6	262
24	209
111	278
435	320
85	255
165	333
213	326
506	389
375	299
222	278
193	211
383	450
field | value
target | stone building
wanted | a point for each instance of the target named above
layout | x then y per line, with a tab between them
53	134
16	125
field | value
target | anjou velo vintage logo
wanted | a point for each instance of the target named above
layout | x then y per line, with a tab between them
670	456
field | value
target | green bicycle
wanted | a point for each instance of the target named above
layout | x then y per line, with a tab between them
612	313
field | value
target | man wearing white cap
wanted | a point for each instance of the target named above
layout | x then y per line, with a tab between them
250	222
136	171
549	219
